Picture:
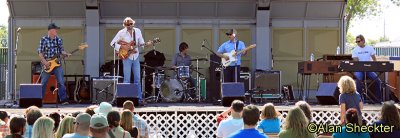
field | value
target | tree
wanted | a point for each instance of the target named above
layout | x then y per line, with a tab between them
3	35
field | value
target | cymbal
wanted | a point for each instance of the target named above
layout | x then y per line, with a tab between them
196	68
200	59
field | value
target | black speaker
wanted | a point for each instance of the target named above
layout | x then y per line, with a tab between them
127	91
232	91
214	85
328	94
30	94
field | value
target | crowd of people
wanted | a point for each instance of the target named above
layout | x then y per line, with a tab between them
239	121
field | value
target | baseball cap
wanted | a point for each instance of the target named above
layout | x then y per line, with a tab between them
103	108
83	118
52	26
98	121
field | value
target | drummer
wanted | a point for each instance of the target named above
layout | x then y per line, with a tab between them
183	59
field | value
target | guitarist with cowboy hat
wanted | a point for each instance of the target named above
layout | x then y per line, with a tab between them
51	46
232	44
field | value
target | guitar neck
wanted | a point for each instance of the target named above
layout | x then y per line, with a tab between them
72	52
241	51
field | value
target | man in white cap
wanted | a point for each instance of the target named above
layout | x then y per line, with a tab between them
99	126
81	127
103	109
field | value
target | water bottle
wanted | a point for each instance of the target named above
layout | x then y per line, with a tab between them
191	134
338	50
312	57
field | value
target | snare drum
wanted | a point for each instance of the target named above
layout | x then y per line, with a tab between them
183	72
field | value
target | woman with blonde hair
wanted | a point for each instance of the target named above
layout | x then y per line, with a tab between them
306	108
270	123
349	97
127	123
43	128
389	117
296	125
66	126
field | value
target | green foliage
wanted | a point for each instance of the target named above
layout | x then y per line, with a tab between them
371	42
383	39
359	9
3	31
350	39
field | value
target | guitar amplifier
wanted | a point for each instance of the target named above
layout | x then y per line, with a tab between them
245	77
103	89
269	82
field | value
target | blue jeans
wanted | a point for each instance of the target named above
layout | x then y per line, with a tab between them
59	74
372	76
133	65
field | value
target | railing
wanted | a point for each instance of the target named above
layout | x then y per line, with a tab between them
388	51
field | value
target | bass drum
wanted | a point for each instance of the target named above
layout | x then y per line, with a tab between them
171	90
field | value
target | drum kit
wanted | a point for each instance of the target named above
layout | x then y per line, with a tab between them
179	88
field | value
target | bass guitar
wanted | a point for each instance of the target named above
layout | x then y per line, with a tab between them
232	55
126	52
53	62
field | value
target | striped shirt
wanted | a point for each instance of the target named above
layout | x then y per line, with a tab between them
139	123
50	47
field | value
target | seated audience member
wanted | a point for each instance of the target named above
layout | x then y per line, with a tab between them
295	125
306	108
127	123
270	123
234	122
389	117
103	109
90	109
250	118
81	127
349	97
116	131
17	127
4	129
99	126
139	122
66	127
33	113
351	119
56	118
76	113
43	128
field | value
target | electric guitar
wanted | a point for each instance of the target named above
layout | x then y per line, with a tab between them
53	62
125	53
232	55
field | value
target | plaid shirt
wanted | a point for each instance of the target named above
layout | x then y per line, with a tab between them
50	47
4	129
141	125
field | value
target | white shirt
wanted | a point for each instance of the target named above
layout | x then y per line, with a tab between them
363	54
229	126
124	35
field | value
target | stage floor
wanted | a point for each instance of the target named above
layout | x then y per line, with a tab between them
171	107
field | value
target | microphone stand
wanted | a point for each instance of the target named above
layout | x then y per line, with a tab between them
14	102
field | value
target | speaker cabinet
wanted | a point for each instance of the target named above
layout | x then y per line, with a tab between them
268	81
103	90
232	91
30	94
127	91
328	94
49	97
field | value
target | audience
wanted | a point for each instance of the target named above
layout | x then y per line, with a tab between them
250	118
306	108
43	128
103	109
81	127
349	98
76	113
389	117
116	131
295	125
66	126
17	127
234	122
56	118
4	128
139	122
352	118
127	123
32	114
270	123
99	126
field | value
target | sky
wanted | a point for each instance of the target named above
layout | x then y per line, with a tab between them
371	28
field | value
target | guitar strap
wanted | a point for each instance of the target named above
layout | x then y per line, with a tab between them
237	44
134	36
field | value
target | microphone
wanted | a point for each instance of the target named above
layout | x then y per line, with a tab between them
19	29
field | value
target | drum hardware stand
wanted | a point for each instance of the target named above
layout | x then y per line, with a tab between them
98	91
154	98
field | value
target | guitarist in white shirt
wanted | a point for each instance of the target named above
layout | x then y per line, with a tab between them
228	46
126	38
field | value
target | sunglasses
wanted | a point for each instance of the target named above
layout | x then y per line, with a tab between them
228	34
358	41
128	24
